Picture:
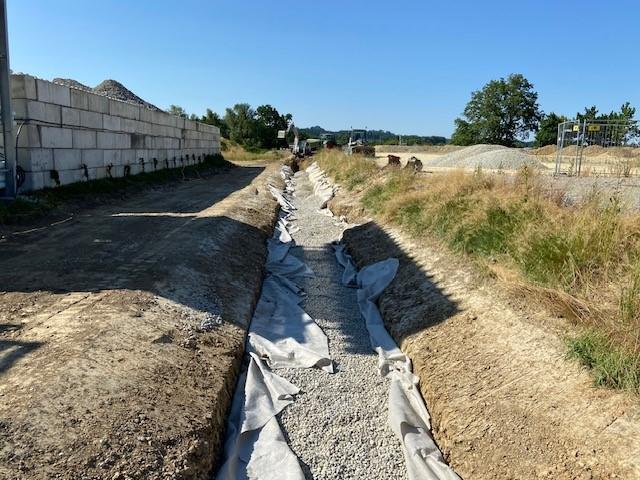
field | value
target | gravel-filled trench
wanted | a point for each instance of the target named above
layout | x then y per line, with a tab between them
337	425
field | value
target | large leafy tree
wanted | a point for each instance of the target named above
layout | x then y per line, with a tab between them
268	122
547	133
242	124
504	111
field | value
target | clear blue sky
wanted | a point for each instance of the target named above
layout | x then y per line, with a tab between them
405	66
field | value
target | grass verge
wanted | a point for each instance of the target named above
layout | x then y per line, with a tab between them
43	201
235	152
582	260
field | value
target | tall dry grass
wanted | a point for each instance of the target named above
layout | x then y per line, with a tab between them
582	261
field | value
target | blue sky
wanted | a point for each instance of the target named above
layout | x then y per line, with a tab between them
405	66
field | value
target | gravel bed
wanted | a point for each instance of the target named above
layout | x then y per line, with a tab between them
338	424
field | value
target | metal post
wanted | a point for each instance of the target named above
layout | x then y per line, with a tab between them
581	148
561	128
5	104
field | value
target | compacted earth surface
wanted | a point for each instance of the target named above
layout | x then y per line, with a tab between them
505	400
122	329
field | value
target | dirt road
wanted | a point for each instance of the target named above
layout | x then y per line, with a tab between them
121	330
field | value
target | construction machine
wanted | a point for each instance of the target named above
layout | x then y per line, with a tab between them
328	140
358	144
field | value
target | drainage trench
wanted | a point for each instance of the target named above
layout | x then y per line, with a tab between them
314	400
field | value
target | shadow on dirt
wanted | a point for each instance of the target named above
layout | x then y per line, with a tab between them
168	241
423	303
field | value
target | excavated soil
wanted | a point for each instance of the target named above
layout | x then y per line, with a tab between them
122	330
505	401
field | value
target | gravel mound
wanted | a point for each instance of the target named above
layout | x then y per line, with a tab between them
109	88
486	156
115	89
338	424
70	82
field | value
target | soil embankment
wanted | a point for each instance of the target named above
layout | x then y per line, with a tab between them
122	330
505	401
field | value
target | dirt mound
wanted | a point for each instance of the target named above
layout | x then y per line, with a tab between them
114	89
70	82
486	156
546	150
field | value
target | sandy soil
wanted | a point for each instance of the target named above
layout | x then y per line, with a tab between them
111	362
505	401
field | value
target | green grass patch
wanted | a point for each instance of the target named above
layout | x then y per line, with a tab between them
610	366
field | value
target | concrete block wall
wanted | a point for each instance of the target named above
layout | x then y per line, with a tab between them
76	135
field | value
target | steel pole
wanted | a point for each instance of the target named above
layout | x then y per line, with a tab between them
5	105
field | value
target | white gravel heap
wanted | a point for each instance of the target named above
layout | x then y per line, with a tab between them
493	157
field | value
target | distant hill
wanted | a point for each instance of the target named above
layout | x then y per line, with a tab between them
375	137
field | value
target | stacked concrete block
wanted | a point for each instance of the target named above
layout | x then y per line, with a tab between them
69	135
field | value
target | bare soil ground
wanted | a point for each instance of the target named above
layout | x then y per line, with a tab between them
505	401
111	362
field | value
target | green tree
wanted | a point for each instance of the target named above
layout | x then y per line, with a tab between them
212	118
177	110
547	133
268	122
242	124
502	112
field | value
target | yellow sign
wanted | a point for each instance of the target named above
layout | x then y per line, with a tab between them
576	128
593	128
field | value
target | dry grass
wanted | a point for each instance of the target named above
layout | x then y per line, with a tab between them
582	262
237	153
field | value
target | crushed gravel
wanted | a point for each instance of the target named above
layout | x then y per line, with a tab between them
338	424
493	157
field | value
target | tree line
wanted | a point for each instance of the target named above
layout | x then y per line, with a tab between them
506	112
252	128
374	137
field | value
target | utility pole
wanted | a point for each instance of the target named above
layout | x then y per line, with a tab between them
5	105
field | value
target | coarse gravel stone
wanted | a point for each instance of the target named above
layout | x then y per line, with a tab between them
338	424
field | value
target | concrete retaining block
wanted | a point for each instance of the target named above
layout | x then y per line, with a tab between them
90	119
114	140
98	103
71	176
79	99
34	110
84	139
93	158
110	122
146	115
53	93
56	137
35	159
29	136
112	157
70	116
127	156
66	158
35	181
123	109
23	86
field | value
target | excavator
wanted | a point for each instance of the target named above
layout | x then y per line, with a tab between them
300	147
358	144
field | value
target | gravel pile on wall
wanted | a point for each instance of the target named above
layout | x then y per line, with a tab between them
109	88
114	89
486	156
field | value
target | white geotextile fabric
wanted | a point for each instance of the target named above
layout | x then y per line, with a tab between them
408	415
322	186
255	447
284	336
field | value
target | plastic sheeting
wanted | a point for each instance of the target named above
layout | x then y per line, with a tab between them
322	186
408	415
255	447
